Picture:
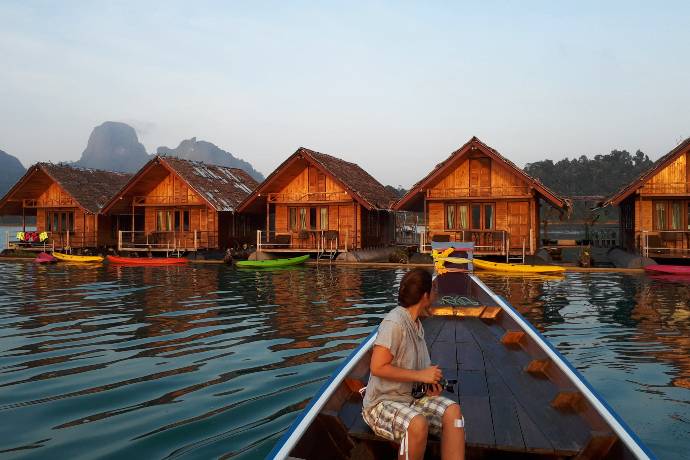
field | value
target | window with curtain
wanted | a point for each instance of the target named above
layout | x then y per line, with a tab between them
462	215
450	216
324	219
660	215
676	216
302	218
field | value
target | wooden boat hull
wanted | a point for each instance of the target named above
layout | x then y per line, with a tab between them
70	258
272	263
516	268
519	396
683	270
146	260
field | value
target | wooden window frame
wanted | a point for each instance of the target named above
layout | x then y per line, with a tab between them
63	217
668	216
482	215
456	205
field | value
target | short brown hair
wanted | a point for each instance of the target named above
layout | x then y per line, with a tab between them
413	286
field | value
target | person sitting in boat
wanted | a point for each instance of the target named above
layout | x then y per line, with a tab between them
399	359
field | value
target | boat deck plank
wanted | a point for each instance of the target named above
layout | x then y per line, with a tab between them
567	432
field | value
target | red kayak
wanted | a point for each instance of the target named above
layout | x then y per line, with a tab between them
146	260
45	258
668	269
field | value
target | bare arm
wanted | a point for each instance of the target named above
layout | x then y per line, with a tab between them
381	366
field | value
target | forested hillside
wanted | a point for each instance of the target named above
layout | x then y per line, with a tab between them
601	175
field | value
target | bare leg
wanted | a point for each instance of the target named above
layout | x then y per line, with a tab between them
452	438
416	438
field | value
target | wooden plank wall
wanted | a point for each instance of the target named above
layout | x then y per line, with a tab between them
300	184
674	173
459	177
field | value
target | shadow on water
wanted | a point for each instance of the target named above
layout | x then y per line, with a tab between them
209	361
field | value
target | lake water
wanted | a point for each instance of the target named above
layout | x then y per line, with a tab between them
209	361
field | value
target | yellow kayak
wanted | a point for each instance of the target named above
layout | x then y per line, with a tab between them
501	267
70	258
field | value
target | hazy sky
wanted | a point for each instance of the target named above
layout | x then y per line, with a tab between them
393	86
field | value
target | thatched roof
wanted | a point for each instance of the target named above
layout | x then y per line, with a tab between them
474	143
640	180
91	189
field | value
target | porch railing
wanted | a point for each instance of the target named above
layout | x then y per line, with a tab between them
667	243
56	240
166	200
486	241
307	197
507	190
319	240
166	241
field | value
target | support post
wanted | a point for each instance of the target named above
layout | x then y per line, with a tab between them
258	241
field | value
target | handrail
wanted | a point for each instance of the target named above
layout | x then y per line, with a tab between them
299	197
191	240
487	191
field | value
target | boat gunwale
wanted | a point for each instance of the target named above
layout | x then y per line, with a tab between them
622	430
299	426
269	263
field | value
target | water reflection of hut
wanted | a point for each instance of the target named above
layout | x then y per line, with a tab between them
478	195
663	316
176	204
66	202
655	207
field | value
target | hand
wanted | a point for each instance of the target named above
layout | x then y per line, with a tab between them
434	390
431	374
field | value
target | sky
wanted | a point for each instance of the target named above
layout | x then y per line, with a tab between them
393	86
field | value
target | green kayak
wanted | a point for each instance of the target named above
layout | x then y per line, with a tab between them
272	263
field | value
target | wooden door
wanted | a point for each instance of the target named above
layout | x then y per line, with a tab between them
518	223
480	177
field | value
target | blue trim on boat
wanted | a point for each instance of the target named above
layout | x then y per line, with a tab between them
582	378
316	397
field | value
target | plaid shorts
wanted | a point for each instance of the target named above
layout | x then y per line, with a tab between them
390	419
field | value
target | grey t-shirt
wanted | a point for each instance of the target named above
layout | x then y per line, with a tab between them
405	340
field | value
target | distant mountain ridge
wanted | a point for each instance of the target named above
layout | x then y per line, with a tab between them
114	146
11	170
191	149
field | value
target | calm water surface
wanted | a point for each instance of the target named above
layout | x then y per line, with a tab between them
209	361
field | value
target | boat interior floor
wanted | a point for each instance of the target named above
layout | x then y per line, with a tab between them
509	412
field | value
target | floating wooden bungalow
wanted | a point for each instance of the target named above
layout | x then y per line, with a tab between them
478	195
315	202
172	204
655	207
66	202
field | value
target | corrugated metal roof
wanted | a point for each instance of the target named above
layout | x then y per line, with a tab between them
223	187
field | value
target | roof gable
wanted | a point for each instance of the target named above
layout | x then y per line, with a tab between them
639	181
221	187
445	167
91	189
363	188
